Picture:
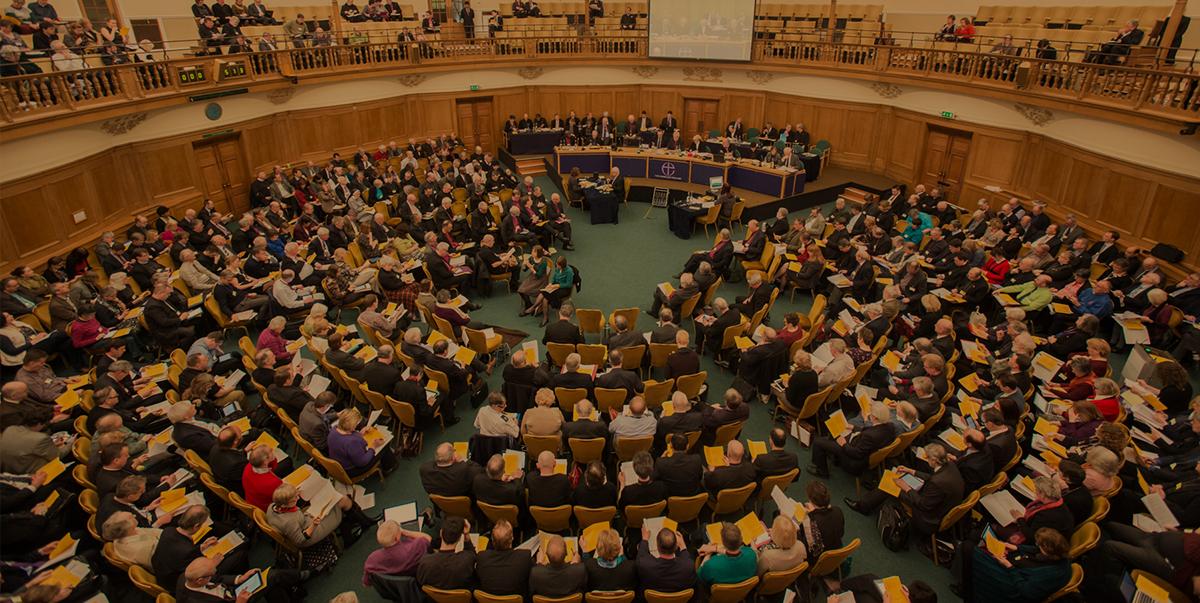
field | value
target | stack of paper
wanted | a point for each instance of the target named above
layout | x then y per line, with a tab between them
714	456
837	424
514	462
1002	505
653	526
228	542
756	448
1045	366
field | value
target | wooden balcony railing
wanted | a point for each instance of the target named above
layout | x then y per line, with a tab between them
1166	95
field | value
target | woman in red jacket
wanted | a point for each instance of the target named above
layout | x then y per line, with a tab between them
1107	398
85	330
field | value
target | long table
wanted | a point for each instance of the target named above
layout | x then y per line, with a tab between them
681	167
534	142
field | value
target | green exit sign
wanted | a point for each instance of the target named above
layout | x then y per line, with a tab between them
474	87
948	114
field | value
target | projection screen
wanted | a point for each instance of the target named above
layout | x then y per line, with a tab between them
719	30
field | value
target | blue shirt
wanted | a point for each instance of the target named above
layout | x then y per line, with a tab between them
1094	303
916	230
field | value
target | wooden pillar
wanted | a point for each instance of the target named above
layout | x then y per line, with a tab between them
335	22
1164	44
832	19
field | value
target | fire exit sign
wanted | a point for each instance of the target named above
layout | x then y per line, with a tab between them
474	87
948	114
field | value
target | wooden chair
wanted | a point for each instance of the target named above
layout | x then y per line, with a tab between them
480	343
686	509
610	399
590	321
552	519
631	357
710	218
727	432
629	314
951	519
575	598
558	352
586	516
809	409
636	514
1100	507
1076	579
460	595
874	461
831	560
458	506
768	485
732	593
776	582
145	581
482	597
586	450
627	447
535	445
109	551
568	396
1084	539
655	596
592	353
690	385
495	513
730	500
657	392
659	352
729	338
624	596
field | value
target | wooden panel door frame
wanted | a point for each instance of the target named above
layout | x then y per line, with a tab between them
481	123
950	190
234	173
702	128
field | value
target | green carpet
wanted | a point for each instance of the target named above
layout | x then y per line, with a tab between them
620	267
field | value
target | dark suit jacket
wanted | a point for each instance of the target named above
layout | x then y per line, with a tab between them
290	398
379	377
627	339
563	331
455	480
714	332
858	450
731	476
495	492
172	555
193	437
648	493
1003	446
775	462
571	379
941	492
345	361
583	429
503	572
620	378
549	490
227	466
682	473
684	361
976	469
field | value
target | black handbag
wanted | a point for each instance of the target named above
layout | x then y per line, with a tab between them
893	526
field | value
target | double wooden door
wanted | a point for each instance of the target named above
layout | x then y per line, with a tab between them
699	116
223	173
945	162
476	124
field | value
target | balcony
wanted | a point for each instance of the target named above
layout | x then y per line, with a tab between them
1162	99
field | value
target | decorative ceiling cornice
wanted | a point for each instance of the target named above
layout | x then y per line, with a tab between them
412	80
701	74
887	90
120	125
1040	116
760	77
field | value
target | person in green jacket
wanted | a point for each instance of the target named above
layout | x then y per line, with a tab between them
562	280
1032	296
729	561
1024	574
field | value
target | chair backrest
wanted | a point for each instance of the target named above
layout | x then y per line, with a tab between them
439	378
443	326
586	450
831	560
459	506
575	598
592	353
610	398
495	513
730	500
460	595
1100	507
590	320
536	444
636	514
586	516
688	308
657	392
110	553
626	447
404	412
685	509
727	432
774	583
1076	579
630	314
482	597
624	596
683	596
959	511
568	396
559	351
79	472
712	290
993	486
145	581
732	332
659	353
193	459
552	519
782	480
690	384
631	357
82	448
732	593
89	500
1084	539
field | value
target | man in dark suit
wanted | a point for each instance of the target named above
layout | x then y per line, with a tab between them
681	472
668	124
338	356
754	242
494	487
501	569
447	475
165	320
735	473
675	299
976	464
623	337
854	450
757	297
228	460
586	425
731	410
718	257
545	487
570	375
646	490
685	418
684	360
1000	438
941	491
1105	250
617	377
189	434
727	316
176	550
563	330
665	330
776	461
381	374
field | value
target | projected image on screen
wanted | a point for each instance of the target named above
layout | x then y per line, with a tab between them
701	29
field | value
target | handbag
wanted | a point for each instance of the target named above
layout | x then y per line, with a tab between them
893	526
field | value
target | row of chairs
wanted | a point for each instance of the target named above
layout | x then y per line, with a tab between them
1110	17
850	12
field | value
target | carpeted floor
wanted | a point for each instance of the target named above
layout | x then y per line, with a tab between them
620	266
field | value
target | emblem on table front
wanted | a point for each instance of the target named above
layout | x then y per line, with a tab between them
667	170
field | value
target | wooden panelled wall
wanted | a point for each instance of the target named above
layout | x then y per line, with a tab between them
36	213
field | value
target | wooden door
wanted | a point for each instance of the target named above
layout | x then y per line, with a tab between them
699	116
223	173
945	161
475	122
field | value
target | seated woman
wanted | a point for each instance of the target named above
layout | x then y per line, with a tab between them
310	532
607	568
1082	383
1107	398
795	326
210	398
1081	422
350	448
1046	511
272	339
1100	468
783	551
808	274
560	287
1023	574
538	266
1176	390
454	314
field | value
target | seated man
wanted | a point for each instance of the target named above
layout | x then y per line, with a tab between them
646	490
682	472
494	486
399	552
731	410
735	473
555	575
729	561
501	569
448	475
776	461
130	541
448	567
634	422
547	488
687	288
672	569
617	377
852	451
